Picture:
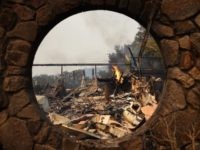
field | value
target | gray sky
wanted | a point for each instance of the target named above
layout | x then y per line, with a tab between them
87	37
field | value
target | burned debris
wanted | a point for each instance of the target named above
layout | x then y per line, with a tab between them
104	108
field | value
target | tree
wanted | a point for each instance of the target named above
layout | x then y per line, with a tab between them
151	49
118	56
122	54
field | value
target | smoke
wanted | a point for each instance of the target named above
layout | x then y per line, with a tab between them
115	28
85	38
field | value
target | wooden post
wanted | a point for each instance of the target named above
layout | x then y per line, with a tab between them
93	76
62	76
95	70
61	71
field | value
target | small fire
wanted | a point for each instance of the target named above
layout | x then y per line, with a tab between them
118	74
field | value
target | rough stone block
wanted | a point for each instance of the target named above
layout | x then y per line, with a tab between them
170	49
198	63
14	70
18	53
69	144
180	9
43	134
60	6
44	15
195	40
8	19
195	73
30	112
24	30
3	99
197	20
15	83
136	143
3	117
183	78
18	101
174	95
186	61
162	30
184	27
17	58
19	45
36	3
193	97
24	12
34	126
55	138
43	147
14	135
185	42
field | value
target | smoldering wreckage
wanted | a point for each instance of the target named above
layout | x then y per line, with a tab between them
103	108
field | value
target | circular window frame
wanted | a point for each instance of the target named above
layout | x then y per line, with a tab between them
21	34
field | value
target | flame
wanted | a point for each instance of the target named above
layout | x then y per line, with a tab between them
118	74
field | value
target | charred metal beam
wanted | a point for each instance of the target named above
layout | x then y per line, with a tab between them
80	64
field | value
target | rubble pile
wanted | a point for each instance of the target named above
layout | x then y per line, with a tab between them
87	110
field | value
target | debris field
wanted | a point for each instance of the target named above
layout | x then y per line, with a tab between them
103	108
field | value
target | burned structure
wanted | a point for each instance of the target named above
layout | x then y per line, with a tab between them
175	26
102	108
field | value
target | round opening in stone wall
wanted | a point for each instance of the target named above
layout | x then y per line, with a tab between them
98	75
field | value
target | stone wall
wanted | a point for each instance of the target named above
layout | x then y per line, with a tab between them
176	26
